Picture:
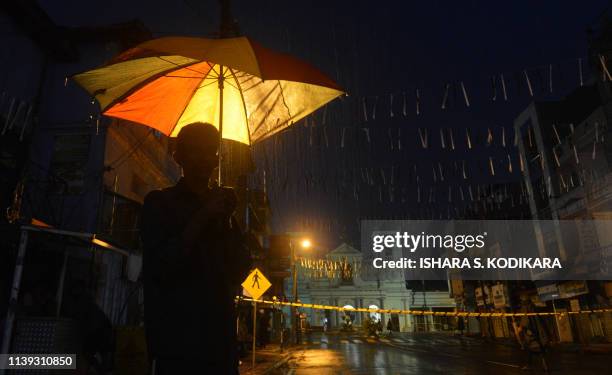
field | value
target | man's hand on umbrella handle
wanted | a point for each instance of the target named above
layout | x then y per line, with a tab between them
220	202
216	204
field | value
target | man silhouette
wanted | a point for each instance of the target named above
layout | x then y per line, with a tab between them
255	280
193	261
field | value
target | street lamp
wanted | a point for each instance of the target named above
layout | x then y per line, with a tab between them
304	244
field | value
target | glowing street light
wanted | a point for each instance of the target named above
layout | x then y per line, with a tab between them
304	243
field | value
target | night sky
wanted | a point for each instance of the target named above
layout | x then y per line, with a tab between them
375	49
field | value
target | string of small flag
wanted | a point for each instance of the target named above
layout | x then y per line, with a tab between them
18	115
329	268
401	103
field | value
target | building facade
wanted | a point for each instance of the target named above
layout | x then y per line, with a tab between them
362	289
566	149
67	168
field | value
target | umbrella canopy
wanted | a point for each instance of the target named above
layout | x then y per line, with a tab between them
247	91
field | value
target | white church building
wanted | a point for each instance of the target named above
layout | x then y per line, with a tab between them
385	291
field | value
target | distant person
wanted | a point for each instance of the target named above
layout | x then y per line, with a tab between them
389	326
243	336
531	337
263	336
193	262
460	325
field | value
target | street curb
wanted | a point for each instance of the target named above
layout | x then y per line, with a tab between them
279	363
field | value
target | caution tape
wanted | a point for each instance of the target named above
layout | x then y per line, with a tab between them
417	312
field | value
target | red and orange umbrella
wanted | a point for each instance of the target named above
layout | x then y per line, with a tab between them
247	91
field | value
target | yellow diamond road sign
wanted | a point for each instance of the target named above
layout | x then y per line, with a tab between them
256	284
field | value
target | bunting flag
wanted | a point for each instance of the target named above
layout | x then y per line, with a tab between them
445	98
562	181
494	86
550	78
528	83
434	175
556	134
465	95
356	179
499	87
554	152
12	120
19	115
367	134
9	116
503	84
320	268
374	110
604	69
580	72
529	136
516	137
576	154
423	137
468	139
399	138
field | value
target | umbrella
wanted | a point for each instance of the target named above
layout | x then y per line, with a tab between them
247	91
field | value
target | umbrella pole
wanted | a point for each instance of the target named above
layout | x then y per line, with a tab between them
221	79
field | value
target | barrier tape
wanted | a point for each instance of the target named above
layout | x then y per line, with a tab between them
418	312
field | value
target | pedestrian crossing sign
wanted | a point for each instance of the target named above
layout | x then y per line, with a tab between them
256	284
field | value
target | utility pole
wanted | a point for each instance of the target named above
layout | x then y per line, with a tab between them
228	27
294	318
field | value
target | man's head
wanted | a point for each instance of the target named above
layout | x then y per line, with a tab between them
196	151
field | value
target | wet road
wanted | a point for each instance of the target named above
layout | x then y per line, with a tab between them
324	354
